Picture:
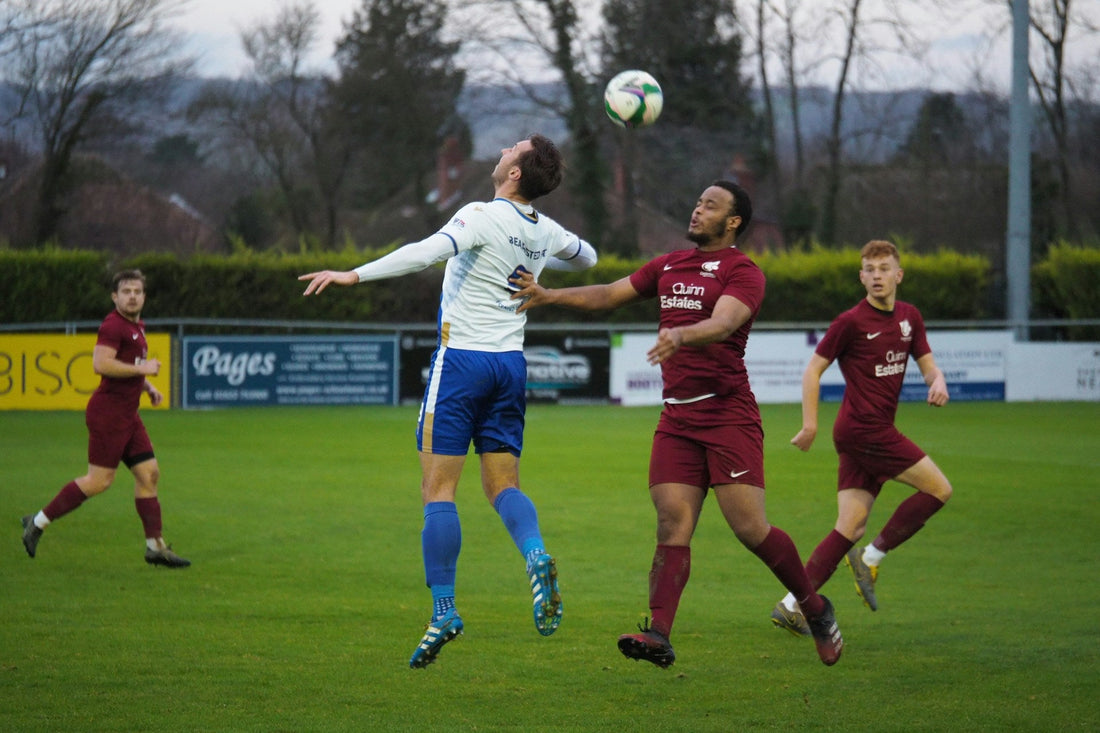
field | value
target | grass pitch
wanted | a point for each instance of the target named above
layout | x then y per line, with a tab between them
306	596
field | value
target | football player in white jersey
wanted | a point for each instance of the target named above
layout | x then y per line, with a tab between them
476	388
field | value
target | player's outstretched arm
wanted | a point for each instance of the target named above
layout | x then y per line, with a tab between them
583	297
412	257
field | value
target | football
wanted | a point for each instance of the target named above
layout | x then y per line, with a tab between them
633	99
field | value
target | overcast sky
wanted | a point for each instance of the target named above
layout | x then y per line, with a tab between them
213	28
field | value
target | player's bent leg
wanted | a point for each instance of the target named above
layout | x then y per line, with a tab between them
925	476
97	480
853	507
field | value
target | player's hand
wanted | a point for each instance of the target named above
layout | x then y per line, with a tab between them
318	281
937	393
804	439
155	397
150	367
526	289
669	340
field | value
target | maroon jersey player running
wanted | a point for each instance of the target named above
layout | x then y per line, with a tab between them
709	435
873	342
116	433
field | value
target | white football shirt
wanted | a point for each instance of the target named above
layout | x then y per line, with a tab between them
491	240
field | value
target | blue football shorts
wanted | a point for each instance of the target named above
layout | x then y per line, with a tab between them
473	396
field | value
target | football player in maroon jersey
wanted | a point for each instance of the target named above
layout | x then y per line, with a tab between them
872	343
116	433
709	435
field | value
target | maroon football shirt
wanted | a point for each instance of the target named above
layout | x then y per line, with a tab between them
873	348
689	283
121	395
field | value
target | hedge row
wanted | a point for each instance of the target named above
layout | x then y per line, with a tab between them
1067	285
814	285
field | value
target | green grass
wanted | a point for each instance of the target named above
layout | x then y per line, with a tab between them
306	596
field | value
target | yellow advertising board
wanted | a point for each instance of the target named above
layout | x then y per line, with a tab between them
54	372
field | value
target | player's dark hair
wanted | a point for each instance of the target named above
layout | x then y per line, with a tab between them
122	275
879	248
742	204
541	168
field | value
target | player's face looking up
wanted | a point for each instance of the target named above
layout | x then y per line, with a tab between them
713	218
129	298
880	276
509	159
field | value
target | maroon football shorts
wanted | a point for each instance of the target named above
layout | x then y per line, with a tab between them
111	442
868	459
691	447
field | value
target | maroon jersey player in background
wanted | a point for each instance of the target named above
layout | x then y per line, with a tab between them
116	433
709	435
872	342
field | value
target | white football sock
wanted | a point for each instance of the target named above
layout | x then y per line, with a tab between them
789	603
872	556
41	520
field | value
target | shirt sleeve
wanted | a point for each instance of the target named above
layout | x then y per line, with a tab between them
412	257
109	334
747	285
832	343
580	255
920	335
644	279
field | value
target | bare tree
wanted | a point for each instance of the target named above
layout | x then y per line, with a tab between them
842	46
76	63
849	17
1052	80
782	47
563	49
282	113
1063	71
278	50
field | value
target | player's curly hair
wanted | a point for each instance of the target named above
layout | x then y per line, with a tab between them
742	204
541	168
879	248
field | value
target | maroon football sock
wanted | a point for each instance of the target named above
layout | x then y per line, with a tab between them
781	556
667	579
825	558
69	498
907	520
149	511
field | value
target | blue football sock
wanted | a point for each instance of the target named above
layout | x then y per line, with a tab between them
441	541
443	600
522	521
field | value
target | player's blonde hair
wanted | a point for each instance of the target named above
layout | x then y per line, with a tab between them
879	248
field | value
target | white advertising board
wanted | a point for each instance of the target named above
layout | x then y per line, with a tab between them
973	362
1045	371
